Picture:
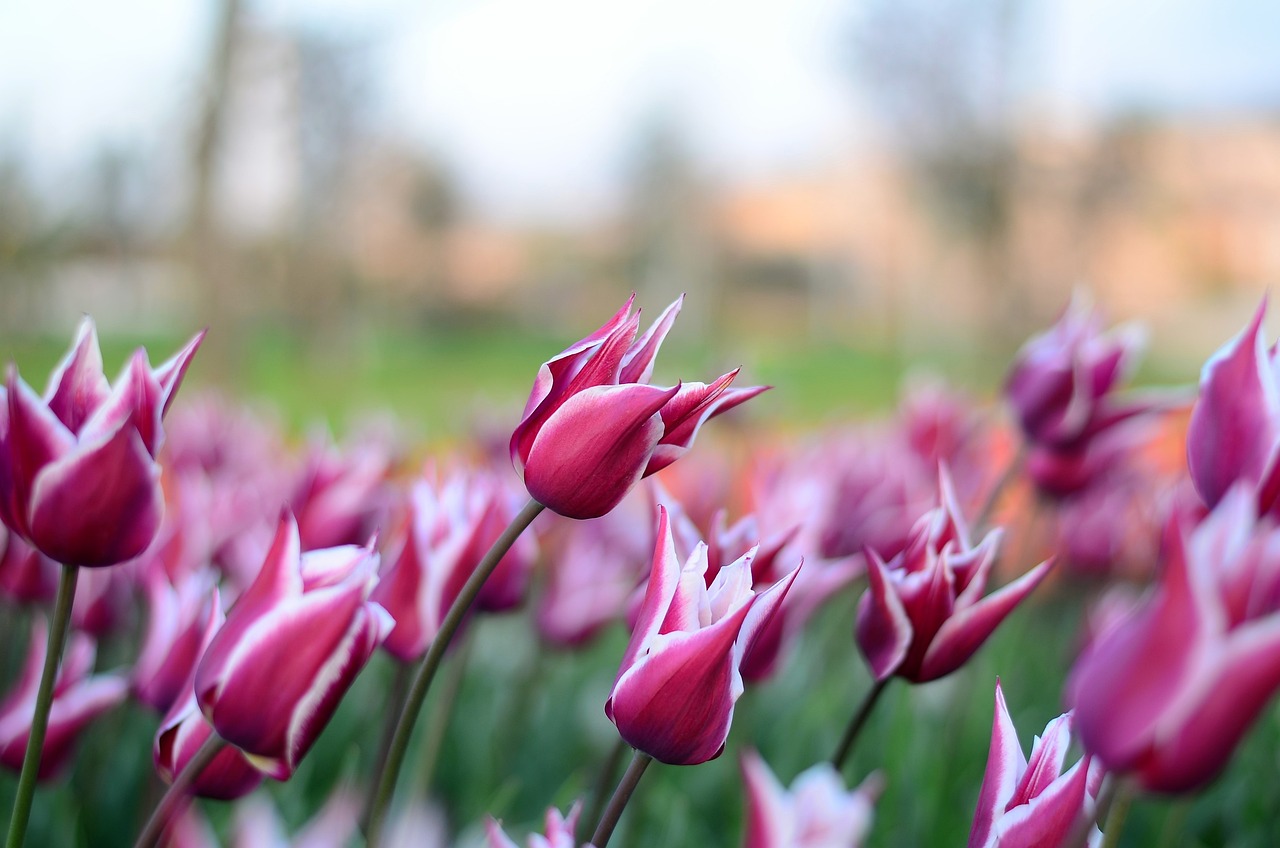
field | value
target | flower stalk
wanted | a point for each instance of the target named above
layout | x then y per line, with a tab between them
856	723
430	664
44	700
621	795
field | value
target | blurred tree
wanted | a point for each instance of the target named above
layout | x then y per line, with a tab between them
938	75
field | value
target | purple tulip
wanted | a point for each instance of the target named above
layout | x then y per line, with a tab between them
923	614
77	700
181	621
1166	693
78	475
1234	434
292	645
557	833
1033	803
817	812
593	427
674	695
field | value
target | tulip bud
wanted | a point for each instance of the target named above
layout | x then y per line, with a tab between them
292	645
558	832
593	427
674	695
817	812
78	475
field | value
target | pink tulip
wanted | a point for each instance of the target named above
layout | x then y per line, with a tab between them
292	645
923	614
77	700
1168	692
448	530
679	679
258	825
181	734
817	812
558	832
1034	803
341	494
78	475
593	427
181	620
1234	434
26	575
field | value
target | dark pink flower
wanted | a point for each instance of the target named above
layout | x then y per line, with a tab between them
923	614
78	475
1166	693
816	812
181	620
679	679
292	645
1033	803
1234	434
77	700
593	427
342	493
181	734
26	575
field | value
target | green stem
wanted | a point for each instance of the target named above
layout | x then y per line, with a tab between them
396	697
618	802
855	724
1120	805
177	792
44	700
595	801
386	782
441	713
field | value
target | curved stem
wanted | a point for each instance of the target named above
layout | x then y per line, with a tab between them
386	782
44	701
855	724
618	802
595	801
396	697
177	791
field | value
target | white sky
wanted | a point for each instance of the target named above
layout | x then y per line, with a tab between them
536	104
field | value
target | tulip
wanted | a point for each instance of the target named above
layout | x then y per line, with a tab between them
77	700
181	735
272	676
817	812
558	832
341	494
1034	803
593	427
258	825
1234	433
181	621
448	530
1168	692
679	679
78	475
26	575
923	614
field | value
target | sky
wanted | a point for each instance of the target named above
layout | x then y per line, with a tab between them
536	105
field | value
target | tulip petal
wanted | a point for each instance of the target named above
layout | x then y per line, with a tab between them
1045	763
637	365
31	437
594	449
664	580
676	702
1233	687
1046	820
966	630
1005	766
1233	425
883	629
684	416
768	820
100	504
77	385
170	373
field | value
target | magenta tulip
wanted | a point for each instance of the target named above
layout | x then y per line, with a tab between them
1166	693
78	475
1234	434
816	812
292	645
593	427
26	575
1033	803
557	833
342	493
181	734
181	620
674	695
77	700
923	614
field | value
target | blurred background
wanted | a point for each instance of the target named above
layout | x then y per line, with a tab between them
369	200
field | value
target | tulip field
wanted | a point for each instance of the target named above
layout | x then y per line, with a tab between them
629	599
